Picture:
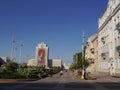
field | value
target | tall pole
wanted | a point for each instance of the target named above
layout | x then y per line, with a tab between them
83	71
15	54
20	57
12	49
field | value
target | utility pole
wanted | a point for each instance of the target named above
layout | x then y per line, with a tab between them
83	71
12	49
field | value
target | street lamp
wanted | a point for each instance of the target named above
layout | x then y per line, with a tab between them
83	71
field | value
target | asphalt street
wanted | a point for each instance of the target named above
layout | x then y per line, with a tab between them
67	82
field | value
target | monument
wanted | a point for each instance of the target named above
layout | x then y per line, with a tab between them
42	54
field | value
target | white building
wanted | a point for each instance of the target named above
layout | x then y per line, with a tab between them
32	62
66	65
41	58
42	54
109	39
5	59
55	63
91	53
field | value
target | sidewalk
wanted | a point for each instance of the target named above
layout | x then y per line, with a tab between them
106	76
10	81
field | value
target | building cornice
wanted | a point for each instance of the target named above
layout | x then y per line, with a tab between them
109	17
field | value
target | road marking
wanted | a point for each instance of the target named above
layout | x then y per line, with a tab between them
61	84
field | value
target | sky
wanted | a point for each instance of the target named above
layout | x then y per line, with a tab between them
58	23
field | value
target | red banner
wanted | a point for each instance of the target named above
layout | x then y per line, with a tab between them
41	56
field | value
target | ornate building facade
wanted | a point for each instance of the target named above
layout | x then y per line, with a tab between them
42	58
109	38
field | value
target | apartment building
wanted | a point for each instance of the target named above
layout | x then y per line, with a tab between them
109	38
91	53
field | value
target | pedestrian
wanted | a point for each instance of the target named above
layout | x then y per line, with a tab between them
61	73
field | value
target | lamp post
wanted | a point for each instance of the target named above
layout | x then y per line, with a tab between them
83	67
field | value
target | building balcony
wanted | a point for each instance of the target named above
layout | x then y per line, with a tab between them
91	60
92	50
103	54
117	52
118	27
118	49
117	42
103	40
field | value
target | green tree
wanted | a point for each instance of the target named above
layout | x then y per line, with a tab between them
79	62
11	66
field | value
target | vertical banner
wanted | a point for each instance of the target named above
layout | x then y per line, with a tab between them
41	56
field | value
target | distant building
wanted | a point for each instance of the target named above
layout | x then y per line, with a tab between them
1	62
55	63
42	54
41	58
4	60
66	65
32	62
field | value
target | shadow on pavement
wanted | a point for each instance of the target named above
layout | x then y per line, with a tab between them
60	86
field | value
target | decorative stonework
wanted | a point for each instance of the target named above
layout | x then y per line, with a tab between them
111	7
108	37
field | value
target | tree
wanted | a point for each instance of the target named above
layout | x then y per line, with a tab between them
78	62
23	65
11	66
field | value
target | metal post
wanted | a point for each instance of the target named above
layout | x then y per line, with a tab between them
83	71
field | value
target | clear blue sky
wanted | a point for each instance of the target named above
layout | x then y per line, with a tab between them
59	23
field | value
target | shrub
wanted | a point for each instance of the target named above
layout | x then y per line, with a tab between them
79	72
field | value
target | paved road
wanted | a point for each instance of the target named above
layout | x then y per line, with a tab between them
63	83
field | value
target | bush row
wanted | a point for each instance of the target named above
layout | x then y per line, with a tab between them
27	73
